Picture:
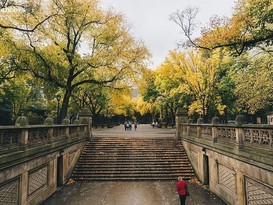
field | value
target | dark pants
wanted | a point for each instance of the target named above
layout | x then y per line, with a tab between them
182	200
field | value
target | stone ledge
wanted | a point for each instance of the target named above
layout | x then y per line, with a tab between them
262	159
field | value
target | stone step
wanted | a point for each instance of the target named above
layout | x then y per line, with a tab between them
106	161
105	153
126	168
132	177
133	150
136	174
131	165
119	159
130	139
133	157
130	172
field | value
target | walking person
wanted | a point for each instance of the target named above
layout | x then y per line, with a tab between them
135	125
182	190
125	124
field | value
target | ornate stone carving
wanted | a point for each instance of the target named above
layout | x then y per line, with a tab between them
37	180
9	193
37	136
206	132
193	131
258	193
227	133
227	178
9	138
257	136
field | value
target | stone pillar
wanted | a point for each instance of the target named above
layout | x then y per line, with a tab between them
239	121
62	167
50	132
188	127
215	121
240	188
77	122
23	188
200	121
52	174
85	117
22	121
66	122
24	137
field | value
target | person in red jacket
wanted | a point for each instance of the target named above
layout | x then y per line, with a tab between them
182	190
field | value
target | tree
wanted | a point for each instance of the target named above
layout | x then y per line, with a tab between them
52	54
193	78
24	12
166	81
253	84
250	26
147	103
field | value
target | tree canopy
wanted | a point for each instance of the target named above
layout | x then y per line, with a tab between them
77	44
251	25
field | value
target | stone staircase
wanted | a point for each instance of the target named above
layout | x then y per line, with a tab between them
127	158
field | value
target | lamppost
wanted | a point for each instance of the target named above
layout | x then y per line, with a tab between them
58	97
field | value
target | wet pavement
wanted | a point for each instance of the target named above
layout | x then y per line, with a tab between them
131	193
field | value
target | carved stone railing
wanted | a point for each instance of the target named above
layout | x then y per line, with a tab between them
14	137
239	134
235	160
22	136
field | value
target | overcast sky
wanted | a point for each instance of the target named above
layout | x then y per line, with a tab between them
149	20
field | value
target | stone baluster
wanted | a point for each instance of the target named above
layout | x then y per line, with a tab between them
50	132
66	122
215	121
77	122
85	117
189	127
239	121
200	121
22	121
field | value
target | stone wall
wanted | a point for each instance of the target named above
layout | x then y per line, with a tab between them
31	182
235	181
35	160
234	161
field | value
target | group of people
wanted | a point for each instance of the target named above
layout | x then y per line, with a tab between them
128	125
154	124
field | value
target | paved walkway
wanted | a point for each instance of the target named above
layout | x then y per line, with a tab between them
131	193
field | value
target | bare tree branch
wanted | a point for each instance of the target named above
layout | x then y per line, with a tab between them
186	18
27	30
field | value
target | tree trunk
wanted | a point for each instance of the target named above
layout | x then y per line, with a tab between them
64	107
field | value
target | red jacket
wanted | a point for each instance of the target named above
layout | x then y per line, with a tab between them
181	188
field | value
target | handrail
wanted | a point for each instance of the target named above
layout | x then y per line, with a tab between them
21	137
242	135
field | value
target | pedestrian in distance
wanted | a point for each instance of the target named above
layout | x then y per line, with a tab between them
182	190
125	125
135	124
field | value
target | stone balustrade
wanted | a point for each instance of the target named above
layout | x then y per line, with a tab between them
241	135
36	159
22	137
234	160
